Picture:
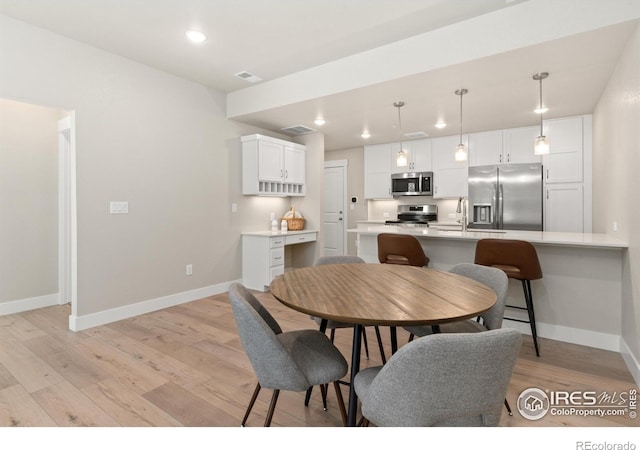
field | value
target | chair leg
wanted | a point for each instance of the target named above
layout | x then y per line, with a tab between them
272	407
343	409
364	341
506	405
528	297
363	422
323	392
251	403
411	336
382	355
307	397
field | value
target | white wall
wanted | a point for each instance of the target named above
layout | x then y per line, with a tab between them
28	201
155	140
616	183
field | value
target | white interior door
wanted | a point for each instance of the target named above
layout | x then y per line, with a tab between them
334	213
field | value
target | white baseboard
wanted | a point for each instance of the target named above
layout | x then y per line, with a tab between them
578	336
632	363
27	304
79	323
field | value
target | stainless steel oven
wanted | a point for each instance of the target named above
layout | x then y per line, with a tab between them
412	183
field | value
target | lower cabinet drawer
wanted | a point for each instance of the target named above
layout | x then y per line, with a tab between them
300	238
275	271
277	257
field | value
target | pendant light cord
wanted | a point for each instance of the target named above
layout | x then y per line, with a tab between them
541	106
461	94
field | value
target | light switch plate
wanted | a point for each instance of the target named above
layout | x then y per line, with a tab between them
119	207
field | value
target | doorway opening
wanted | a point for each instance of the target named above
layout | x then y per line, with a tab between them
67	224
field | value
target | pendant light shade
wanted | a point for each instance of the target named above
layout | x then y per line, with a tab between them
542	143
461	150
401	157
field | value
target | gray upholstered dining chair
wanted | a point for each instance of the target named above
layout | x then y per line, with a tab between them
450	379
333	325
494	278
291	361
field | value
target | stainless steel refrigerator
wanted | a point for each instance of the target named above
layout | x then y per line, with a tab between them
506	197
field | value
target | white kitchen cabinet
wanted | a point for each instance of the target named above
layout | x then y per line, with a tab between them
450	177
567	174
272	166
510	146
377	171
418	156
564	163
485	148
294	164
564	208
518	145
263	255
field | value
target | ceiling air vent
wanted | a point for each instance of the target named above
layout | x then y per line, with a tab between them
416	135
298	129
248	76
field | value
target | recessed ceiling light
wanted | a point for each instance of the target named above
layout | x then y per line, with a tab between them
541	110
365	135
441	125
319	121
196	36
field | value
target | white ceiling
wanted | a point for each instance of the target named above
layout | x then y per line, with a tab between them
274	38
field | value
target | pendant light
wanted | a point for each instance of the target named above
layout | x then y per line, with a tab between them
542	143
401	157
461	149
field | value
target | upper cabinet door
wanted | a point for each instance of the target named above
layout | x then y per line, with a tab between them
422	161
377	171
395	149
486	148
294	165
450	177
270	161
518	145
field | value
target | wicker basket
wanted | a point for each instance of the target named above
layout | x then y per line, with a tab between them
294	224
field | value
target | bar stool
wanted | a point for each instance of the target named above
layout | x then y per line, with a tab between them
401	249
519	260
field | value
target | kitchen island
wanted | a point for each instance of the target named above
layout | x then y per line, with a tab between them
578	300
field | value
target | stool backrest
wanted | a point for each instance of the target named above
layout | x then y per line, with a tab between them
509	252
401	249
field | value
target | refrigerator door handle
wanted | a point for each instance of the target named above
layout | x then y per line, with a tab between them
494	204
500	206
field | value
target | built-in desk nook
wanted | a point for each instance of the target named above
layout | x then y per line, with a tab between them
263	255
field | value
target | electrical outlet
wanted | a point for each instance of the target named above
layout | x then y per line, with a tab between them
452	215
385	215
234	207
615	226
189	269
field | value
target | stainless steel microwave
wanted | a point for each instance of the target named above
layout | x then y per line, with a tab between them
412	183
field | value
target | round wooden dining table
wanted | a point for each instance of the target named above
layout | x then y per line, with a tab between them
380	294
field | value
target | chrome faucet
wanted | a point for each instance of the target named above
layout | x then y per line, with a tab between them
462	208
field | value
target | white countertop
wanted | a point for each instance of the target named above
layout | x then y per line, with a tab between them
276	233
535	237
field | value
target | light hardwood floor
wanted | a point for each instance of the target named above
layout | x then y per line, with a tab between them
185	366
